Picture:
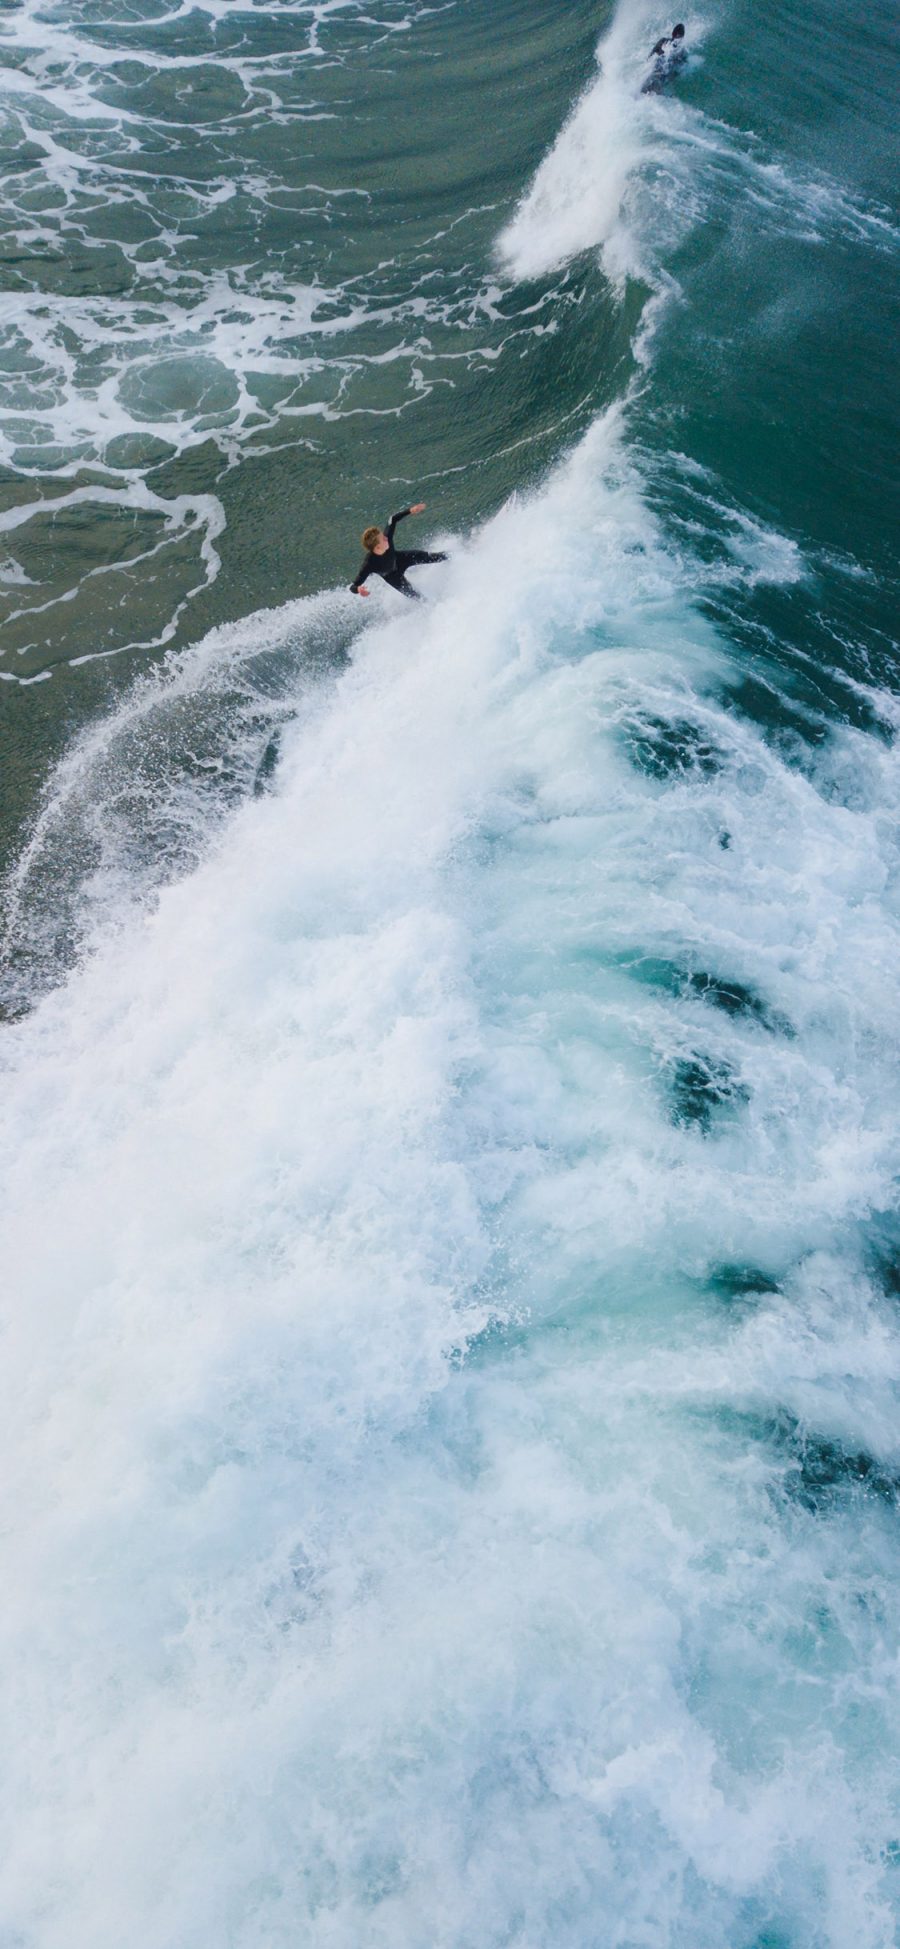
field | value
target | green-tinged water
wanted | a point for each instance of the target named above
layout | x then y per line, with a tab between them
449	1135
257	327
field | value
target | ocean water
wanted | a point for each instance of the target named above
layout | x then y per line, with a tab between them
450	1051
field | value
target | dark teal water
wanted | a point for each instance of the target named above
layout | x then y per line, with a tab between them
450	1071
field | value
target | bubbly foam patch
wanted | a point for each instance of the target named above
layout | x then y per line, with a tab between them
449	1490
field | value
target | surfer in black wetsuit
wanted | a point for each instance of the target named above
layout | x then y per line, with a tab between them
666	56
391	563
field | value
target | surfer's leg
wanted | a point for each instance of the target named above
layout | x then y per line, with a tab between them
410	558
413	557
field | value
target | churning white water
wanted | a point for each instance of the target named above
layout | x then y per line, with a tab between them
432	1236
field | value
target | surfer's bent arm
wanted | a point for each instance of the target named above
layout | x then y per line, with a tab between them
418	507
356	587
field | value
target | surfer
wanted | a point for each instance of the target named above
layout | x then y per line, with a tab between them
391	563
666	56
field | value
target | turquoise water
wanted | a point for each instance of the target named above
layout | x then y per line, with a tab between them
449	1121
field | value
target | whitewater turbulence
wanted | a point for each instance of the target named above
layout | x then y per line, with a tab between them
457	1186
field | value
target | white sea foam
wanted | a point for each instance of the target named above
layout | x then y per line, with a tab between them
576	198
630	174
400	1536
589	188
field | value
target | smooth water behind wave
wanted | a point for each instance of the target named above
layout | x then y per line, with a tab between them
219	287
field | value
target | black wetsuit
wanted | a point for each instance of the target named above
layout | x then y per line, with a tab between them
667	56
393	564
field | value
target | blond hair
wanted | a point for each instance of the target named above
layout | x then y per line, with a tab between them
370	536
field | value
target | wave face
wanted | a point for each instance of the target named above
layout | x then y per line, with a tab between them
450	1143
217	279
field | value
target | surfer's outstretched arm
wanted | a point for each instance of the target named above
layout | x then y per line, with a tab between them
418	507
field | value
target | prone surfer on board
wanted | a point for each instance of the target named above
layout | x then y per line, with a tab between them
391	563
667	57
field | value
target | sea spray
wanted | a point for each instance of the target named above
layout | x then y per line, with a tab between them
420	1407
